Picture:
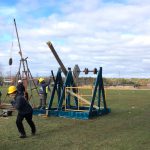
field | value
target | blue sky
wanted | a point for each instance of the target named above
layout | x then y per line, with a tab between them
113	34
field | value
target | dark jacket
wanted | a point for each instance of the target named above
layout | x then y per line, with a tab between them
22	105
42	87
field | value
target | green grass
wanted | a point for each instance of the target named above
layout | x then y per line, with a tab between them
125	128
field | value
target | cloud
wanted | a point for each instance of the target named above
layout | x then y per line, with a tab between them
6	11
111	34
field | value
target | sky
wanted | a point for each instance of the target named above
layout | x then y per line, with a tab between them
113	34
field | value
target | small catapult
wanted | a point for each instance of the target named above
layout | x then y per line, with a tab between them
71	102
23	74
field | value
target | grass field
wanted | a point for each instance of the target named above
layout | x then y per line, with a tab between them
127	127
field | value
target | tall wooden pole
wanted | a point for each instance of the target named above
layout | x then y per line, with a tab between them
22	59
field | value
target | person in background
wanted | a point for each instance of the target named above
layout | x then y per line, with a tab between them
43	92
20	88
0	96
24	111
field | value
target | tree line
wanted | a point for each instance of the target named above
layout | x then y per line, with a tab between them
107	81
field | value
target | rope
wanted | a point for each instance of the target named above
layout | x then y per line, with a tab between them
10	59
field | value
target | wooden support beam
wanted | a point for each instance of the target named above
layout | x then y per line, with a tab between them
81	98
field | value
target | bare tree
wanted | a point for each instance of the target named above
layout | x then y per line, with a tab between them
1	76
0	70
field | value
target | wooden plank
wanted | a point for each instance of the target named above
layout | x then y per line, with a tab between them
80	87
6	106
81	98
76	110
